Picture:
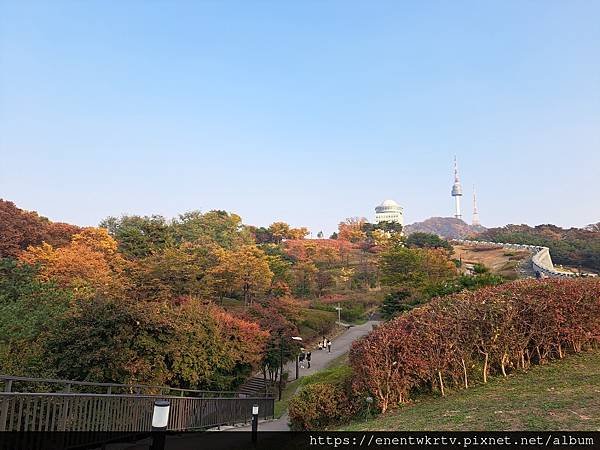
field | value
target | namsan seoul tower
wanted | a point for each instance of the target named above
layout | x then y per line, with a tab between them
456	191
475	221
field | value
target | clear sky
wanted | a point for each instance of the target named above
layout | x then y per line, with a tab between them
302	111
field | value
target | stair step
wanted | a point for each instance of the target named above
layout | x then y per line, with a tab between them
255	385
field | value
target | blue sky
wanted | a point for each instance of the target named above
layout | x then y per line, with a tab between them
306	111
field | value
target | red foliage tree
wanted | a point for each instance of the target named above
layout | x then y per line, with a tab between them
19	229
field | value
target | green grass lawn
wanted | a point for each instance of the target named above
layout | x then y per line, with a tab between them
562	395
287	393
336	370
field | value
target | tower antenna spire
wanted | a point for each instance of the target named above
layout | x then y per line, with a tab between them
456	179
475	221
456	191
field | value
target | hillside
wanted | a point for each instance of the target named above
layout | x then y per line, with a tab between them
508	263
446	227
573	247
562	395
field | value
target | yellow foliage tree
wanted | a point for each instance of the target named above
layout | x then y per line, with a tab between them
279	230
90	263
244	270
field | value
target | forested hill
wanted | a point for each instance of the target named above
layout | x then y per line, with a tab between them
20	229
576	247
446	227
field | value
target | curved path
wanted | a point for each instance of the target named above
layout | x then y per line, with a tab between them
319	361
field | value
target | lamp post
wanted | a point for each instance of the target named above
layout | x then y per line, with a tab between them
160	420
295	338
280	363
254	423
338	308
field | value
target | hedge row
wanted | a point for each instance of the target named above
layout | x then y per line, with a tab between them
468	336
326	398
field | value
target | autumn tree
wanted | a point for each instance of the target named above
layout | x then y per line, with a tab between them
298	233
261	235
352	229
281	230
305	272
189	346
414	268
279	317
281	266
20	229
247	269
90	263
176	271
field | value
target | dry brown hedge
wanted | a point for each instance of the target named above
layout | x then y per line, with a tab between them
469	336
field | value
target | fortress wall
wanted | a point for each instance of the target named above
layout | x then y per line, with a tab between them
541	260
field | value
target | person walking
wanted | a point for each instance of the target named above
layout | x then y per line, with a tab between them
308	355
320	346
329	345
301	360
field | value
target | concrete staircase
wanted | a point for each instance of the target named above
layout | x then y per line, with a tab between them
256	386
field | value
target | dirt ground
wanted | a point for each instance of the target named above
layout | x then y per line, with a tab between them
499	260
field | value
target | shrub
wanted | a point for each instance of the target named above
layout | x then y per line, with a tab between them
318	320
454	339
326	398
317	406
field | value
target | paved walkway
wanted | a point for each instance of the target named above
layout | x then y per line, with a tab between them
319	361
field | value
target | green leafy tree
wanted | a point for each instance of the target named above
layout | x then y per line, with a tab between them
188	345
223	228
414	268
29	310
175	271
138	236
427	240
396	302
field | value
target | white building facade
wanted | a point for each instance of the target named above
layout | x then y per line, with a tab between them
389	211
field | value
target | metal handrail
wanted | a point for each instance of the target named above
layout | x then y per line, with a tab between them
9	379
90	412
91	394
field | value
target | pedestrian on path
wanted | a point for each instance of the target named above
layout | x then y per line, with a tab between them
320	346
301	360
308	355
329	345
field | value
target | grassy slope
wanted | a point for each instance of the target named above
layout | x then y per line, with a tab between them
563	395
500	261
329	374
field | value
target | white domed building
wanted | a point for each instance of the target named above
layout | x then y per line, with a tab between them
389	211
